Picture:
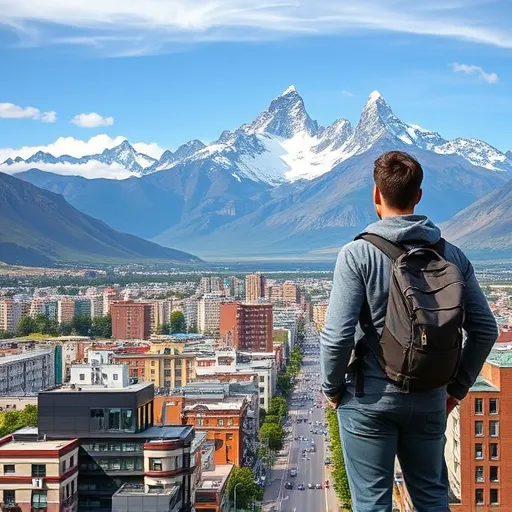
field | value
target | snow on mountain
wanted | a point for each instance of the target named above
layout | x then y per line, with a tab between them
283	144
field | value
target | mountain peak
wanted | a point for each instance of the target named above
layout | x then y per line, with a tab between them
290	89
375	96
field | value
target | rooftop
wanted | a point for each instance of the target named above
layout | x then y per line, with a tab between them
215	478
91	388
482	384
139	490
29	446
25	355
501	356
223	405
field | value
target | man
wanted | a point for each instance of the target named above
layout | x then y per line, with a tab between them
387	420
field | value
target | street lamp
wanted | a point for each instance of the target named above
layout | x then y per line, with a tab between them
239	483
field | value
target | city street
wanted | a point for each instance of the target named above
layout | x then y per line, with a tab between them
306	409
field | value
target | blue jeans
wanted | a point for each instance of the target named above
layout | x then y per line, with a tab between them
374	430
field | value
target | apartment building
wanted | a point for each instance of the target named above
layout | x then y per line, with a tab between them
290	292
478	449
10	314
254	287
124	459
247	327
208	313
82	306
210	284
97	305
319	315
38	474
164	370
131	320
189	307
65	309
27	373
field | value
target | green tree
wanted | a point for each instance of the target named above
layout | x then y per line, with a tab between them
192	329
14	420
82	325
284	383
247	492
27	325
102	326
272	418
278	406
178	323
29	416
165	328
4	335
339	474
272	435
65	328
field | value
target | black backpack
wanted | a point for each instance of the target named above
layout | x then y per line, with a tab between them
421	343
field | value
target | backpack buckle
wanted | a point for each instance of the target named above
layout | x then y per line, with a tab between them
405	385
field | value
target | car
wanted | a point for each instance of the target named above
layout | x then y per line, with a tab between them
288	485
300	487
311	486
293	472
318	486
327	461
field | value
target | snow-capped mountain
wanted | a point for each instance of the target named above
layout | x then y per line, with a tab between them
283	144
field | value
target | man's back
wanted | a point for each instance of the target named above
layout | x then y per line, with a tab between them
384	422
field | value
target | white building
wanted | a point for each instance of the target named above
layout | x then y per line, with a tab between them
208	313
107	375
27	373
190	312
97	305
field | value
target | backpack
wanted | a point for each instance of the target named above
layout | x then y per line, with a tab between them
421	343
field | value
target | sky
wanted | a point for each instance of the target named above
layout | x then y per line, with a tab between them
77	77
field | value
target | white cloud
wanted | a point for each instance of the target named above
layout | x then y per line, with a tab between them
90	170
78	148
346	93
471	69
12	111
131	28
92	120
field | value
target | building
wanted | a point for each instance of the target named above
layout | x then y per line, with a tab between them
97	305
65	310
10	314
110	295
131	320
27	373
221	417
211	491
319	315
247	327
478	430
210	284
161	313
123	457
208	313
112	375
254	287
189	307
38	474
290	293
287	318
164	370
83	306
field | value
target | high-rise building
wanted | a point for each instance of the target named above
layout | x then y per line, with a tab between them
110	295
82	306
190	313
254	287
290	292
208	313
236	287
319	315
66	309
161	313
131	320
247	327
478	450
10	314
97	305
210	284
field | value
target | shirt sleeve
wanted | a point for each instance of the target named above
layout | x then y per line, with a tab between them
481	334
337	337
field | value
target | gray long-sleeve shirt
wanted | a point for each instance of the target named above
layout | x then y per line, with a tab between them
363	272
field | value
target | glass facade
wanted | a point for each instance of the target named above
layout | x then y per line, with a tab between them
112	419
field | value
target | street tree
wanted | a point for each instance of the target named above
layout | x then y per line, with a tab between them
273	435
178	323
247	492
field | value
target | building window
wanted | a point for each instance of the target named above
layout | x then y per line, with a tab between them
114	419
38	470
230	421
493	474
262	401
479	428
262	378
479	451
82	376
220	422
493	406
115	376
155	464
200	422
229	437
493	451
153	363
479	474
494	497
39	499
63	466
97	421
9	469
167	373
262	390
494	428
9	497
479	496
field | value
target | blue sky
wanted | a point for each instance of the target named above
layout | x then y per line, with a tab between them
167	72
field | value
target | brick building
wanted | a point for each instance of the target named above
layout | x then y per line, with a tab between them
131	320
247	327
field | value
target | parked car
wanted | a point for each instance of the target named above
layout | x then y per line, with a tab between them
300	487
318	486
327	461
293	472
311	486
288	485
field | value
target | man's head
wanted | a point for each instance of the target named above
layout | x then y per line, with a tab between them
397	189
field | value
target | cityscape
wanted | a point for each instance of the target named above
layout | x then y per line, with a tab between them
200	203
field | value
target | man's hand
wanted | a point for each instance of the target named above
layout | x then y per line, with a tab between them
334	400
451	403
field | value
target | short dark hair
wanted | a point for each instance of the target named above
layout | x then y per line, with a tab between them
398	176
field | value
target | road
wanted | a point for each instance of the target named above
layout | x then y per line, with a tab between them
310	469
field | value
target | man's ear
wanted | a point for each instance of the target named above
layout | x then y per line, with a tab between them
419	196
376	195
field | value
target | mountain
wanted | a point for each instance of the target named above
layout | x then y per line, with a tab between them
282	184
485	226
39	228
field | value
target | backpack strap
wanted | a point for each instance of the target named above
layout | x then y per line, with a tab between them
390	249
439	247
